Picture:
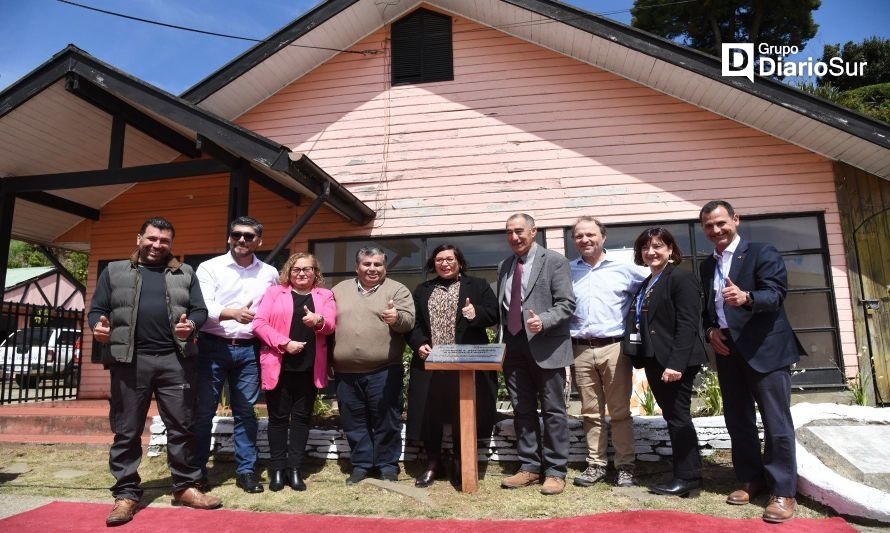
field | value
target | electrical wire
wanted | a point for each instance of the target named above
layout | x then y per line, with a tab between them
546	20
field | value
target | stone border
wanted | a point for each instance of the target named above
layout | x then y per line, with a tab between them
652	440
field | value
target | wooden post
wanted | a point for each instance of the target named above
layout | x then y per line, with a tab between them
466	369
469	467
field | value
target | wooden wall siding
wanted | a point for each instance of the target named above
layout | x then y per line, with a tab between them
198	209
523	128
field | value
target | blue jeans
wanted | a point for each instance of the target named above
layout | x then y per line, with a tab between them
217	363
370	412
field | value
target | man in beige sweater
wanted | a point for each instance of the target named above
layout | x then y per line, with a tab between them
373	313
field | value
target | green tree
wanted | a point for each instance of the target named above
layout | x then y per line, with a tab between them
874	51
872	100
24	254
706	24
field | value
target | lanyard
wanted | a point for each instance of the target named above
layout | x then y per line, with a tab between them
645	294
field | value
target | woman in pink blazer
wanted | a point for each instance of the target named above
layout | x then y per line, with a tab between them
293	321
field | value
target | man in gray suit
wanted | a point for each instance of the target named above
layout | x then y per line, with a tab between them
536	303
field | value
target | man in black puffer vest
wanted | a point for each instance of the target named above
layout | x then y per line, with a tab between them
145	312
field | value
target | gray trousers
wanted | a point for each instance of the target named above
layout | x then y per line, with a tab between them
544	452
171	379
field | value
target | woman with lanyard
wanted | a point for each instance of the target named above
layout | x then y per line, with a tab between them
665	323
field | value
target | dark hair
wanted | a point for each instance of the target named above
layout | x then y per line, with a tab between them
529	221
366	251
664	236
587	218
461	262
159	222
714	204
247	221
284	275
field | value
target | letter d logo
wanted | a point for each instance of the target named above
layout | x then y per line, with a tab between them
738	60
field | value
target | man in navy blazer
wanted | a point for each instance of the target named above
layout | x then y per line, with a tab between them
745	285
536	303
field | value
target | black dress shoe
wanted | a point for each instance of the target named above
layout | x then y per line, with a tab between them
426	479
249	482
456	474
357	475
295	479
276	480
390	476
684	488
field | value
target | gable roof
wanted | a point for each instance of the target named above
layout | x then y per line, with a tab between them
15	276
767	105
55	126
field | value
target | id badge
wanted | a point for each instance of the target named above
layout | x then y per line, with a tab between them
634	338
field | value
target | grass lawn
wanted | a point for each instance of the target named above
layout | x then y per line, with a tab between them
81	473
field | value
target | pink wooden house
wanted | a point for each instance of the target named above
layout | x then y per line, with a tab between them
409	124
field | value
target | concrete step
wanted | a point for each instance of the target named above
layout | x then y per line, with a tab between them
70	421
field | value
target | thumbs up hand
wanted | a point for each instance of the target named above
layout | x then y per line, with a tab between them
242	315
102	330
310	319
184	327
390	314
468	310
534	322
733	294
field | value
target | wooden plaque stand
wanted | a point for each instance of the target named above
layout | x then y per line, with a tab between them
468	452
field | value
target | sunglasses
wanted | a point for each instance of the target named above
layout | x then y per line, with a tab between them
238	235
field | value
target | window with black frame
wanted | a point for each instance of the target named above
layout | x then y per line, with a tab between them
406	256
810	300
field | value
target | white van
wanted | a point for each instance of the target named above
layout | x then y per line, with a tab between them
31	356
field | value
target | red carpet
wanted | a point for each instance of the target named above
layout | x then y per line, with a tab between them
69	516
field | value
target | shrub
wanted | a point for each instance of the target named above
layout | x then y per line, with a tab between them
709	393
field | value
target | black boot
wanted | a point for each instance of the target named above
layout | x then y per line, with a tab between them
276	480
295	479
684	488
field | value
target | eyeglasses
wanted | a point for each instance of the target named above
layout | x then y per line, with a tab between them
304	270
238	235
449	260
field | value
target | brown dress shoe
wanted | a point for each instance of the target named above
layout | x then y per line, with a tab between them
779	509
192	497
521	479
743	495
553	485
123	511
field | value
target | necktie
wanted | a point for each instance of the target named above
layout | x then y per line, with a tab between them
514	313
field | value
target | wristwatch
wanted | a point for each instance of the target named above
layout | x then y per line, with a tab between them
749	298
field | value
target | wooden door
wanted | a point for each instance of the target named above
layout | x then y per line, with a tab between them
872	239
864	204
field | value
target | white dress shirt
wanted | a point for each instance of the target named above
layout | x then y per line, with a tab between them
724	262
226	284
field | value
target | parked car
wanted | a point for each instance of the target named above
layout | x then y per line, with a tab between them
33	355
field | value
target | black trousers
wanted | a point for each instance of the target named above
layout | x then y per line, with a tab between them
290	406
675	400
547	452
171	379
741	387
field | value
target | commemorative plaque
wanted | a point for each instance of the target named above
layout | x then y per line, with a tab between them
466	359
466	356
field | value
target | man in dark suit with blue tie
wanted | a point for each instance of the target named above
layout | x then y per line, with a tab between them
536	302
745	285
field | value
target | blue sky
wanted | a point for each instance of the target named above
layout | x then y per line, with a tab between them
31	31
